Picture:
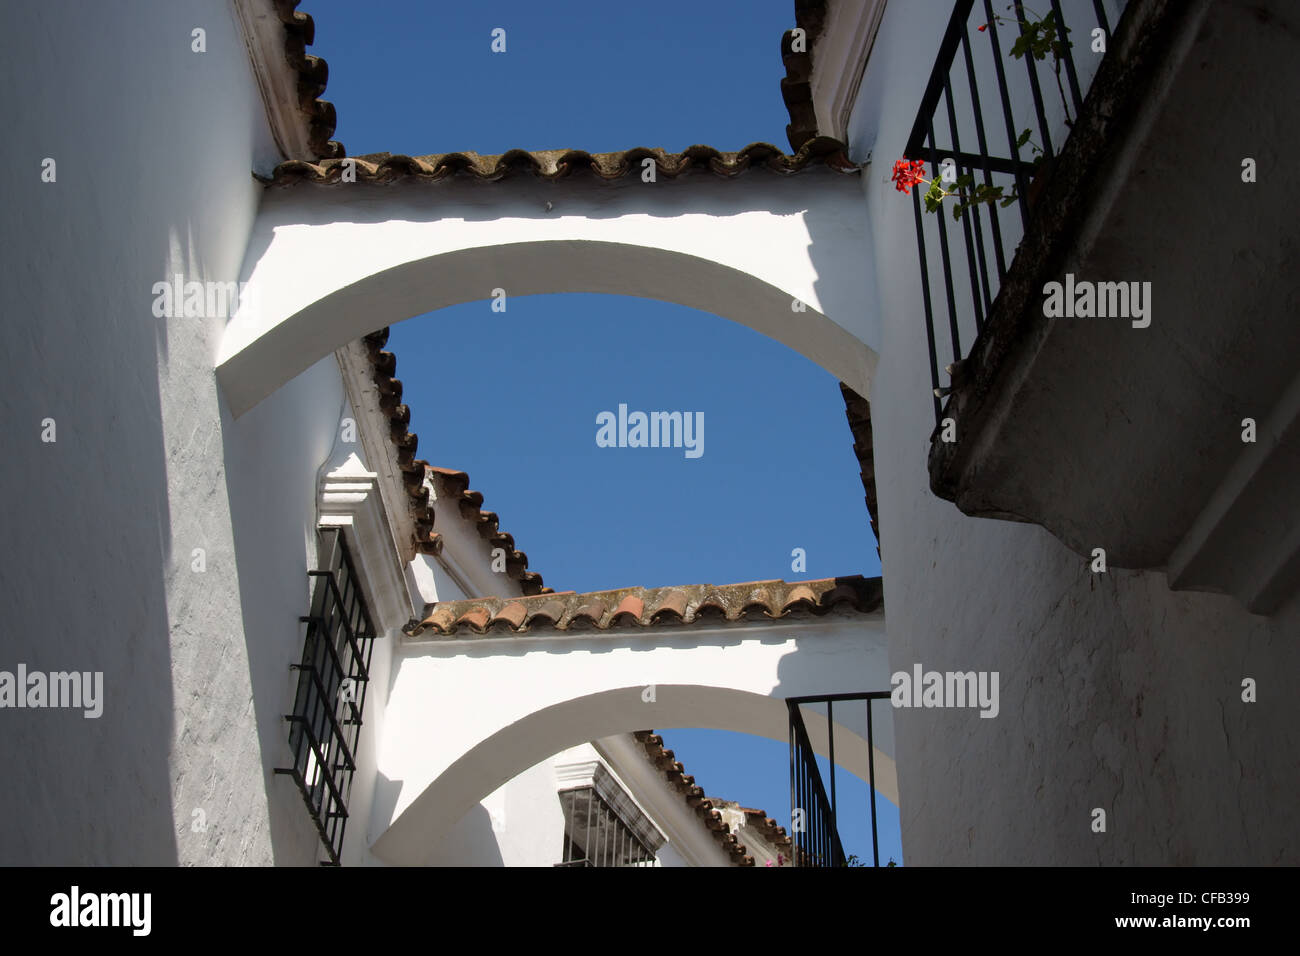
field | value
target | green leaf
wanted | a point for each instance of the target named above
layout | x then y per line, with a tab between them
1024	137
1009	200
934	197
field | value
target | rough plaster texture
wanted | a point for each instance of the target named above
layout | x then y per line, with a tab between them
1116	692
152	179
1044	399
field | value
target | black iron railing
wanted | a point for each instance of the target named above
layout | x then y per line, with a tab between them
331	695
1033	116
814	821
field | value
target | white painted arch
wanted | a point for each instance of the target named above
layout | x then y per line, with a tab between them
464	718
328	264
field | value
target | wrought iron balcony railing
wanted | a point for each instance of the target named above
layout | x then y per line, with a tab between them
814	825
1034	116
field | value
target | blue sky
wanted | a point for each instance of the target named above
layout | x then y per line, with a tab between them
512	397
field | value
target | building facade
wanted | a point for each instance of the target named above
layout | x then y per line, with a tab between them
197	280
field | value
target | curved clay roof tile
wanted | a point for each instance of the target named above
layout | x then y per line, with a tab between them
713	607
548	611
476	618
589	615
511	615
456	482
759	599
801	596
443	620
672	608
629	611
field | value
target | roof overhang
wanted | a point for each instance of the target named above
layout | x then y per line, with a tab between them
289	80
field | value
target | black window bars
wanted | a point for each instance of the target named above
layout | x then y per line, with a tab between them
814	830
990	227
331	696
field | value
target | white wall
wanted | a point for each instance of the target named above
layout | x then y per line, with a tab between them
521	823
503	703
1116	692
154	145
329	264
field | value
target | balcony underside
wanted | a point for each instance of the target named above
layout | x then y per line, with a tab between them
1130	439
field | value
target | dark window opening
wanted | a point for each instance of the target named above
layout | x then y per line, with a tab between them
331	696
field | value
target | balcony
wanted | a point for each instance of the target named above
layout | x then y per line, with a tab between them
1122	425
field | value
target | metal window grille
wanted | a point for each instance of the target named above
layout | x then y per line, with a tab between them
331	696
817	841
596	835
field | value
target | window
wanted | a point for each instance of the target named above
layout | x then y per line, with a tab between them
596	835
331	695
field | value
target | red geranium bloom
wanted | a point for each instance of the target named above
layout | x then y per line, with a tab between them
908	174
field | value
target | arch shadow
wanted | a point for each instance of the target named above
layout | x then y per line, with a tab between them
251	369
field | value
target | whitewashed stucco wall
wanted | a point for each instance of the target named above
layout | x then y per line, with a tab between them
501	704
1116	692
522	822
328	263
153	145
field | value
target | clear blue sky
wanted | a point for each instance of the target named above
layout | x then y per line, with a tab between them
512	397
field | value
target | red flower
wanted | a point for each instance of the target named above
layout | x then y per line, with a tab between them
908	174
982	27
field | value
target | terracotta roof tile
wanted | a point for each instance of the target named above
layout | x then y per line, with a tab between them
588	615
451	483
629	611
672	607
713	606
757	600
546	611
802	596
693	796
554	164
313	73
649	607
512	616
796	86
477	617
772	832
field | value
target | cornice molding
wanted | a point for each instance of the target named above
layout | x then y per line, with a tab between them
841	57
277	81
350	501
373	428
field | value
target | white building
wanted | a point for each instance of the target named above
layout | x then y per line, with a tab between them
181	472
